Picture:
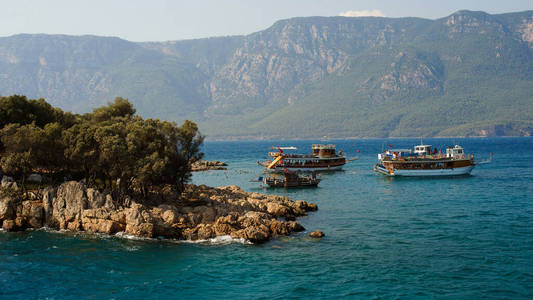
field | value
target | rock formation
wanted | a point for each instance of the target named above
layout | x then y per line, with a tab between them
317	234
200	213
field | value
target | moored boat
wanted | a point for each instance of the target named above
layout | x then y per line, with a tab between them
291	180
425	161
323	158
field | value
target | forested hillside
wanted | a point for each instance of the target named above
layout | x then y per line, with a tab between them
470	73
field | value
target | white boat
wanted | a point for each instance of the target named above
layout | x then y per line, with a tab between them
425	161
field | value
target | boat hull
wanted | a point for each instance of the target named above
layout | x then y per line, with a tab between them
430	172
282	185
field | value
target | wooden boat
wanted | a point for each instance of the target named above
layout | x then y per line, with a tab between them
323	158
291	180
425	161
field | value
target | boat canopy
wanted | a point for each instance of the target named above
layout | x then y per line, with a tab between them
399	150
394	153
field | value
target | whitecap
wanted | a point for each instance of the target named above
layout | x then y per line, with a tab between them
124	235
219	240
52	230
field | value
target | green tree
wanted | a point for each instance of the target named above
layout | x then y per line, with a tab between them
114	159
18	109
82	150
29	148
119	108
189	142
111	144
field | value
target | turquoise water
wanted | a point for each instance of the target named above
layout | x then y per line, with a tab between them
462	237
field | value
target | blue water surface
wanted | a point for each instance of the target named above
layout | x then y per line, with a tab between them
453	237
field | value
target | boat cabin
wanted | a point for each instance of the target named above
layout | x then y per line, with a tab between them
394	153
324	150
455	152
422	150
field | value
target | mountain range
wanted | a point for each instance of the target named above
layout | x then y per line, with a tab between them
468	74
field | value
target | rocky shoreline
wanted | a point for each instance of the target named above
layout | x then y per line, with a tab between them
205	165
199	213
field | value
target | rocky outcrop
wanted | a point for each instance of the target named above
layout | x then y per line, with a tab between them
205	165
317	234
200	213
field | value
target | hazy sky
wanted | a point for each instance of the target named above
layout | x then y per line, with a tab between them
160	20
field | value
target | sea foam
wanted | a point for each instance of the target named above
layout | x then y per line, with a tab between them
219	240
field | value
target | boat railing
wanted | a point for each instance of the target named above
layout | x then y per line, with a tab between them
422	157
322	146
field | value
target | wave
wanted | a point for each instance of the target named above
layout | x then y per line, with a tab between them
219	240
124	235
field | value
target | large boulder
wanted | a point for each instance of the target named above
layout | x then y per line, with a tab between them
277	209
48	195
279	228
208	214
170	216
68	204
33	214
103	220
8	183
295	227
133	214
205	231
95	199
7	208
316	234
8	225
142	230
257	234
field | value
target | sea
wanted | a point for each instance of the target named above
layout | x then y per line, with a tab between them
452	237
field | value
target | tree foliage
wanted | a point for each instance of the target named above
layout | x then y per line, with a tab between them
111	146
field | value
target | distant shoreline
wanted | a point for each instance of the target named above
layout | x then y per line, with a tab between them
354	138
